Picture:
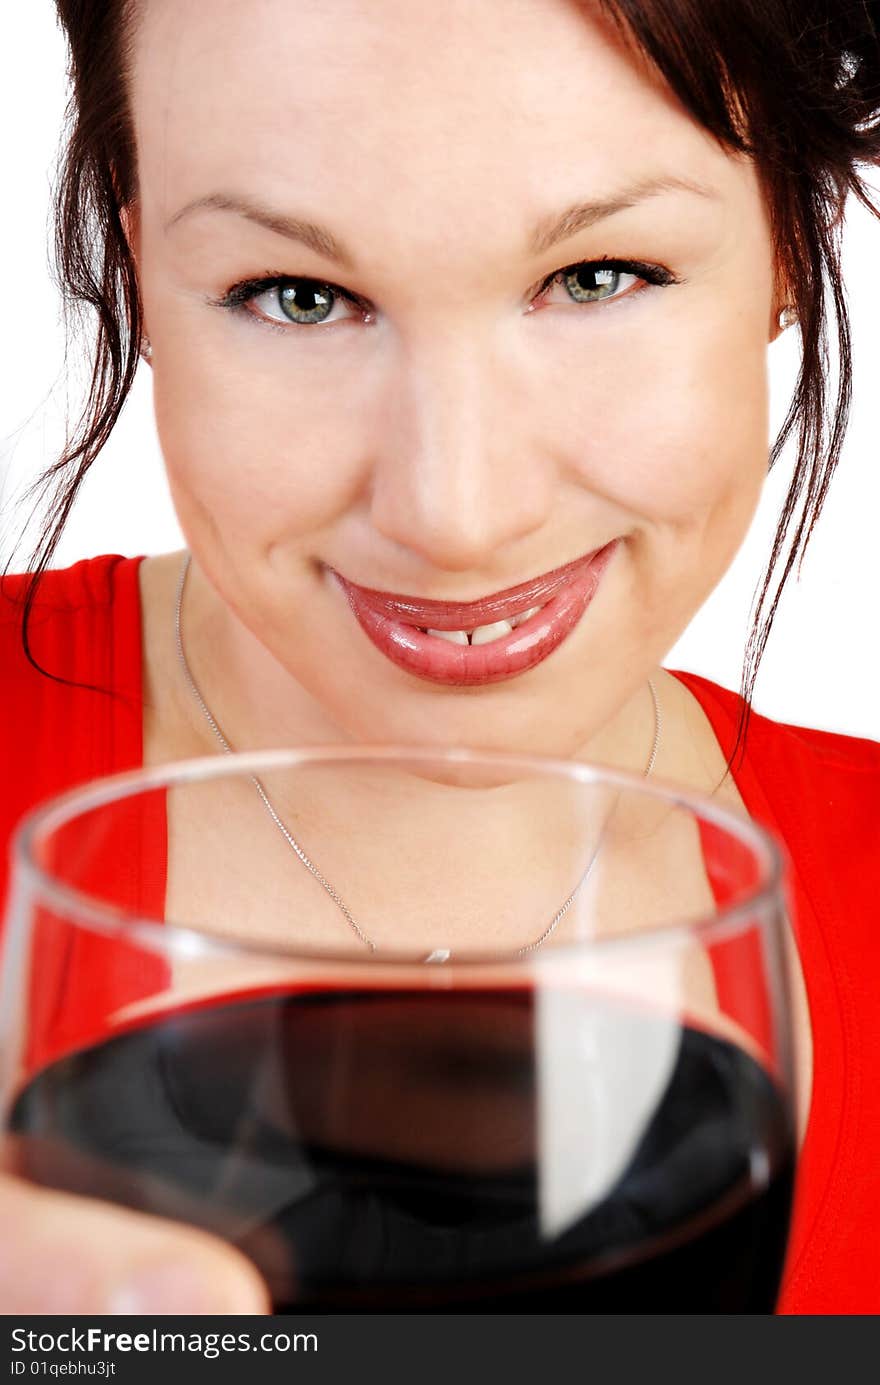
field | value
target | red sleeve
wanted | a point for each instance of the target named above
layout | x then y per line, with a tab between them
86	630
85	627
819	792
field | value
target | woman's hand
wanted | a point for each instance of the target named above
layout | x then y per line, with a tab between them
68	1254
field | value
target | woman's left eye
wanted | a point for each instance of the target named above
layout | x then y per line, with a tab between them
286	301
304	302
596	281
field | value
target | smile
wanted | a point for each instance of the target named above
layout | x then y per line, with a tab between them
464	644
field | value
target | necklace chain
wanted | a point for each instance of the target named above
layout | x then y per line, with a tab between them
439	954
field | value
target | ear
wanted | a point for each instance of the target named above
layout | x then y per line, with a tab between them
782	298
781	319
129	215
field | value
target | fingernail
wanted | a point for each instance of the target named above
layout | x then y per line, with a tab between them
177	1289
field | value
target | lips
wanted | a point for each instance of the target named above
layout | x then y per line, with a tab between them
399	626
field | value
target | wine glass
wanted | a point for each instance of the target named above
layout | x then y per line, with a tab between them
416	1030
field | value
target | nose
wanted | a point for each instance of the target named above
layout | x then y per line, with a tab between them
458	474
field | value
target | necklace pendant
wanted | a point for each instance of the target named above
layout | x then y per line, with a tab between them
440	954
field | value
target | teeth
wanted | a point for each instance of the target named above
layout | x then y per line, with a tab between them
453	636
484	634
526	615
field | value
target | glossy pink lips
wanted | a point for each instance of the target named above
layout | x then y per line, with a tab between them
397	624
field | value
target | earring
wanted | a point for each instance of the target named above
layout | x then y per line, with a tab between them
788	317
146	350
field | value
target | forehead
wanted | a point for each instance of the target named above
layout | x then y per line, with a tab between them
426	111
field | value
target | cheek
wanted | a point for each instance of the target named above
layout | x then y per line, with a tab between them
673	427
266	456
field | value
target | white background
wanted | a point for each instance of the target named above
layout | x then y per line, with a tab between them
822	664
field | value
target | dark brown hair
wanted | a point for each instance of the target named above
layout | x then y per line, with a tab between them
793	84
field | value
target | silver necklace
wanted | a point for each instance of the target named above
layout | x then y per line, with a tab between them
439	954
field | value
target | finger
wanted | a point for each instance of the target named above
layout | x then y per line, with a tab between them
64	1254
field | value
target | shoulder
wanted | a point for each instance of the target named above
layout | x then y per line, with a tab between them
71	700
77	615
70	675
819	789
91	582
775	744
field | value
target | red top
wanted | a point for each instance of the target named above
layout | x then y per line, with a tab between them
819	793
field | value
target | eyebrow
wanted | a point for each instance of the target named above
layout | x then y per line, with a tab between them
317	238
548	232
584	214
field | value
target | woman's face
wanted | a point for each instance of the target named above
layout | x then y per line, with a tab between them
425	411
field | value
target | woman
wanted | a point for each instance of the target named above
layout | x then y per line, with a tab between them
439	302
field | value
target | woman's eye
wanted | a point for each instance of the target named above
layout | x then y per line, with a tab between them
300	301
595	281
592	283
284	302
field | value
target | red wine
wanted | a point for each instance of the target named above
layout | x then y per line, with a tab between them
382	1151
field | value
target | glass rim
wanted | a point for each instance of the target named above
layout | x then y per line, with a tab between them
160	935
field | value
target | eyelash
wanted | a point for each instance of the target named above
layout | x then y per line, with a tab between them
239	295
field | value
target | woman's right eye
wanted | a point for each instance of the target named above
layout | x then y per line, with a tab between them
285	302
